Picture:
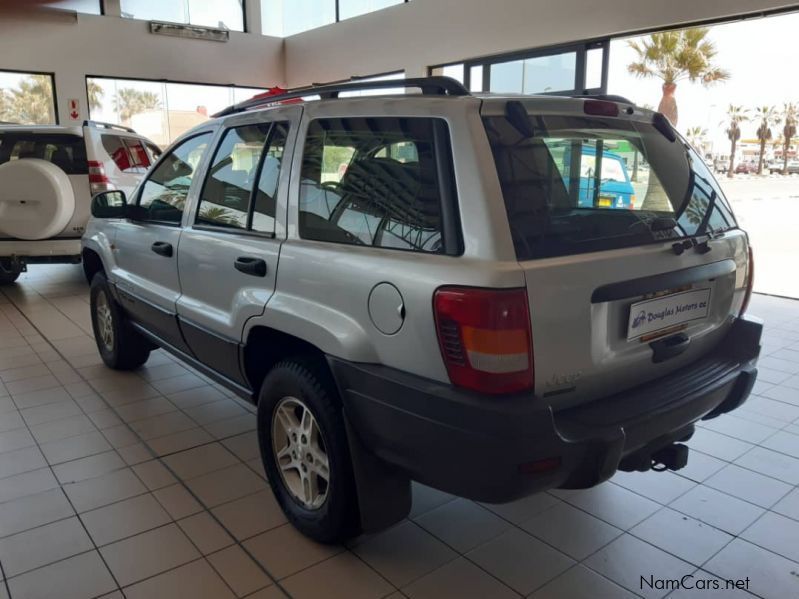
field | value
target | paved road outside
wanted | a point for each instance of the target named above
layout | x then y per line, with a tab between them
768	209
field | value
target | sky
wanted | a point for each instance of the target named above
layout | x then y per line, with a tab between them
758	53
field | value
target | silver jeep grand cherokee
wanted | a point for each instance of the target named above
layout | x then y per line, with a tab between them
492	296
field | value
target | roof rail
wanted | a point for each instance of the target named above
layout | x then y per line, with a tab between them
433	86
101	125
608	97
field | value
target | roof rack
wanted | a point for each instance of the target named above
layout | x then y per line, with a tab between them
608	97
433	86
101	125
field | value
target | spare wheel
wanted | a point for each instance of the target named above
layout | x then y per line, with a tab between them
36	199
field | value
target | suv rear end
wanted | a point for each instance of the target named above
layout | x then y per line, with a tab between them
629	328
49	178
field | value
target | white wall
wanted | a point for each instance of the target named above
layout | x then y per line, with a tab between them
117	47
407	37
422	33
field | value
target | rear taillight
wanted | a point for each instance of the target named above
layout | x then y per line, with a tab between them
750	282
485	338
98	180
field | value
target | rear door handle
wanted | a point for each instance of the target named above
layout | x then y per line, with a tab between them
251	266
163	248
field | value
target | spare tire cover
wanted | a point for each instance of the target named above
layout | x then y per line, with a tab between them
36	199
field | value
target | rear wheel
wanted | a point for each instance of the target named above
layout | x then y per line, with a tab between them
120	345
304	451
9	272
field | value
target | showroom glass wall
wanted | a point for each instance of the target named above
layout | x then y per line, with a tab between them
91	7
222	14
283	18
27	98
565	70
159	110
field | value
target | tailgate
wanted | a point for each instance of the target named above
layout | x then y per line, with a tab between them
633	260
583	310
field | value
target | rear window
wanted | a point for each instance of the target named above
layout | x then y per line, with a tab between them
68	152
584	184
127	153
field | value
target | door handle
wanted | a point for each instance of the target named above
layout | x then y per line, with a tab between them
251	266
162	248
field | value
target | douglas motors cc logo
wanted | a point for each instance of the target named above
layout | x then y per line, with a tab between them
640	319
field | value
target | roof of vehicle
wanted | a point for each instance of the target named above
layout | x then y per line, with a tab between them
430	87
42	129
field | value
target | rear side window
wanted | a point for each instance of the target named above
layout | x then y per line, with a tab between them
374	182
230	189
67	152
128	154
584	184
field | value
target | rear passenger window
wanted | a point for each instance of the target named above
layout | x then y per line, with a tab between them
263	218
372	181
226	196
240	161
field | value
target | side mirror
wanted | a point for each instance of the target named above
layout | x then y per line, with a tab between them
110	204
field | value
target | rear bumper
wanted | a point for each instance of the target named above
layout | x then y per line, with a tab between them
44	251
484	448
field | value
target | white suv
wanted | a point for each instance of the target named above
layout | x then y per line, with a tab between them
492	296
48	175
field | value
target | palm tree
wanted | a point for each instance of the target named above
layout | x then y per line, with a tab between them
789	116
696	135
674	56
767	115
95	94
735	116
32	102
128	102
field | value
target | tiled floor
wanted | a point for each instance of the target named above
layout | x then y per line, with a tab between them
149	485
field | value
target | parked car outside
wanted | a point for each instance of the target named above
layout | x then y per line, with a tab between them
778	167
745	168
48	175
448	310
611	188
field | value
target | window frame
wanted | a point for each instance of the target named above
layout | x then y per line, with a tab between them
248	231
136	204
244	24
337	19
581	50
50	74
451	231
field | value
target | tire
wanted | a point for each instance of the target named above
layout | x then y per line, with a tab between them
40	202
8	273
292	386
120	345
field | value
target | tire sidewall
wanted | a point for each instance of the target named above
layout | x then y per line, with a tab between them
334	520
100	285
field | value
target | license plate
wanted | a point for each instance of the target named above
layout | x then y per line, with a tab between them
653	315
605	202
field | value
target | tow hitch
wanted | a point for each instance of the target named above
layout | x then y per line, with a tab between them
671	457
667	454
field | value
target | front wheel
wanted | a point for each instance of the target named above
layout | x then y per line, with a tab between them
121	347
305	453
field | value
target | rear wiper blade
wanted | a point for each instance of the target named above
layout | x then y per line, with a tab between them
663	223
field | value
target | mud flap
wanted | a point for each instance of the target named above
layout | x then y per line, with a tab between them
384	493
